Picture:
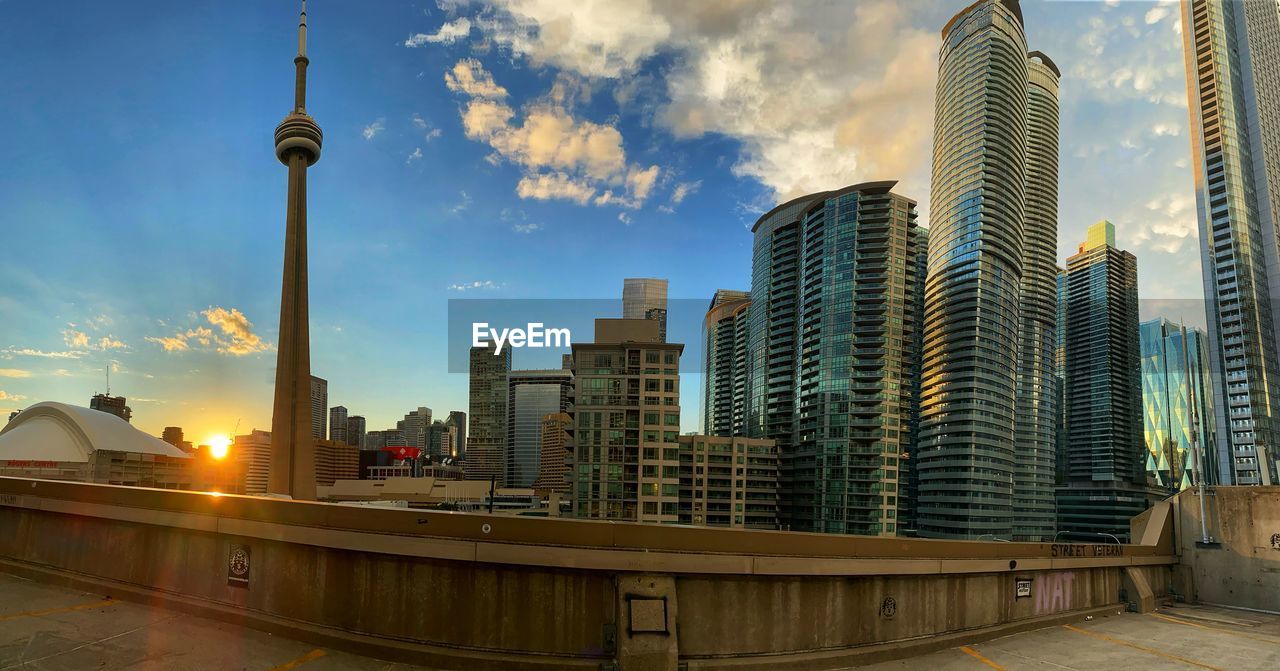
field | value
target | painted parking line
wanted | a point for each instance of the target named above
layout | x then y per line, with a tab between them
293	664
100	603
1143	648
978	656
1224	630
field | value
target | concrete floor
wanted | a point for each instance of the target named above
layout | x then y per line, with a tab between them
43	627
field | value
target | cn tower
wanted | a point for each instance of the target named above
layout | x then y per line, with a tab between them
298	137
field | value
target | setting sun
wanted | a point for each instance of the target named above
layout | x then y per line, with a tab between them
218	446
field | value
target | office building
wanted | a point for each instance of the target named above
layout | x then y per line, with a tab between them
112	405
457	421
986	445
336	461
437	441
725	364
338	424
646	298
1177	405
356	431
319	406
487	413
553	454
253	451
1232	52
414	427
832	353
1106	482
377	440
728	481
627	423
532	394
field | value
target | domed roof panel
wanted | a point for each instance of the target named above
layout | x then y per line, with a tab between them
50	431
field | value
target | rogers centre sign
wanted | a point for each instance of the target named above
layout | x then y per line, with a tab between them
27	463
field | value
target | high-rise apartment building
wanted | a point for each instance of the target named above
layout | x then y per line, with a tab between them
728	481
1106	480
1177	405
986	445
725	364
627	423
532	395
646	298
356	431
553	454
173	436
112	405
338	424
832	353
1232	52
319	406
457	420
487	413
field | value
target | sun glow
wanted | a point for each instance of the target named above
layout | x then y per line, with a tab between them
218	446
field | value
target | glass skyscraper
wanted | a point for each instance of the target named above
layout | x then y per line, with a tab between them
987	415
1176	403
832	353
725	364
1232	52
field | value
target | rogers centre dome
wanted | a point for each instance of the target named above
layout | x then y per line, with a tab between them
66	442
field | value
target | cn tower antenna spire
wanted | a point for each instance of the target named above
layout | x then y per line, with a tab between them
302	31
301	61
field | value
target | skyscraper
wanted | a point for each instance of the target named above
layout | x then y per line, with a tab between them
486	442
298	140
112	405
646	298
1036	406
725	366
319	406
1232	52
627	423
986	444
338	424
356	431
532	394
553	454
1177	405
1106	479
832	359
414	427
457	420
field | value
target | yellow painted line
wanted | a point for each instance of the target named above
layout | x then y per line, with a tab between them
978	656
1143	648
1223	630
310	656
100	603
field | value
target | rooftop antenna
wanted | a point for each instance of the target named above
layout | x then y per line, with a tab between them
108	378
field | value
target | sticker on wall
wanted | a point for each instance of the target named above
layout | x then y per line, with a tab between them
238	566
888	608
1022	588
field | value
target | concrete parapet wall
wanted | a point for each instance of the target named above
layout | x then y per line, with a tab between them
1240	567
474	591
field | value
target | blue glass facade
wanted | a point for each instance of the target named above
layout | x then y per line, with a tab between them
1176	403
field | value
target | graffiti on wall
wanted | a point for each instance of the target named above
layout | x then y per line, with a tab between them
1053	592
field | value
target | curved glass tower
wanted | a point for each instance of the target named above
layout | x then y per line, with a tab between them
966	455
1037	408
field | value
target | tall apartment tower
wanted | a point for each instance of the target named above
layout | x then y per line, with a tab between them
1177	405
531	395
986	444
1036	407
319	406
646	298
832	353
725	366
1232	52
487	408
457	421
356	431
1106	478
627	423
112	405
338	424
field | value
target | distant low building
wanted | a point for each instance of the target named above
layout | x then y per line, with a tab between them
56	441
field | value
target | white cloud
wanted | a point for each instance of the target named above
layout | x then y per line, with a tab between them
684	190
624	218
468	76
1166	129
448	33
417	154
371	131
235	335
10	352
14	372
462	204
526	228
477	284
432	134
5	396
549	186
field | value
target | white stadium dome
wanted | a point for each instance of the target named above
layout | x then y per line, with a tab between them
50	431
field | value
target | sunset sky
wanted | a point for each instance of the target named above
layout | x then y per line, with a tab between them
520	149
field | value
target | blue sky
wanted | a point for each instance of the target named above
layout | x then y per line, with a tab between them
523	149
